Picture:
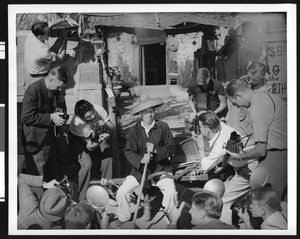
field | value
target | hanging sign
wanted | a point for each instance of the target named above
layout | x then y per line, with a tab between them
277	61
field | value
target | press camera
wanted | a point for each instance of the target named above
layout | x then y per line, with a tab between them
194	125
65	116
64	31
100	129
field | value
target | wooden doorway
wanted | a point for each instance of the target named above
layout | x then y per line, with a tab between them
154	64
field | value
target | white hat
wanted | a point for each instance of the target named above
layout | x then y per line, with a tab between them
97	196
145	103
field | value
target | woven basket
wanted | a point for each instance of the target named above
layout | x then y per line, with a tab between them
190	150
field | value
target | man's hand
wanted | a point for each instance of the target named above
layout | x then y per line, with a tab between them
195	172
244	215
150	147
103	181
103	137
194	115
233	155
52	184
175	213
104	220
56	119
100	122
146	158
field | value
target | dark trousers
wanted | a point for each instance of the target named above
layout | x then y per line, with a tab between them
102	164
43	160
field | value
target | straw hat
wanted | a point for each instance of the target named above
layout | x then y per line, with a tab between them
145	103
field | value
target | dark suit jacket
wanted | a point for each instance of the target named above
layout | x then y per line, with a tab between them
35	116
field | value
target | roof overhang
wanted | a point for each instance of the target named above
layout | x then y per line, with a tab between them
161	21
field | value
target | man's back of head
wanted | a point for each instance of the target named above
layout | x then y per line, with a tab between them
210	203
79	216
38	28
235	86
210	120
59	74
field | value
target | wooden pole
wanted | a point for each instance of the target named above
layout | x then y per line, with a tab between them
111	111
101	81
140	194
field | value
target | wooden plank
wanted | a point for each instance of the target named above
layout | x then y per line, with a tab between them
200	177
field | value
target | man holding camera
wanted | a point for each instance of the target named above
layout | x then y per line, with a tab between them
92	151
207	94
214	135
266	117
38	119
38	55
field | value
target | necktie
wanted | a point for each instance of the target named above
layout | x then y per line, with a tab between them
51	101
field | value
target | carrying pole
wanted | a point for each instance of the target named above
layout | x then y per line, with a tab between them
140	194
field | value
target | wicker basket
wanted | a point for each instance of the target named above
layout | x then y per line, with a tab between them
190	150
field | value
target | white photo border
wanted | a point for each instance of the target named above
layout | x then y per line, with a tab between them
290	9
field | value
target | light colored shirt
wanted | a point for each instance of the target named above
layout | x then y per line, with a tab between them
38	56
235	114
218	150
275	222
77	124
147	129
269	120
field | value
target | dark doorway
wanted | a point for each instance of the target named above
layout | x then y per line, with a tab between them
155	64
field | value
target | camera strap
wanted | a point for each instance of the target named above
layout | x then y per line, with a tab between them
249	135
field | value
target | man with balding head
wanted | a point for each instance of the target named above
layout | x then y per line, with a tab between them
266	121
38	119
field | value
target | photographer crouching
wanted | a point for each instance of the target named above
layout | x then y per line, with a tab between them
211	135
88	135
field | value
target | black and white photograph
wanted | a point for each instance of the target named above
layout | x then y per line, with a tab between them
147	119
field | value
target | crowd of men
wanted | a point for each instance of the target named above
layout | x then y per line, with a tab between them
259	118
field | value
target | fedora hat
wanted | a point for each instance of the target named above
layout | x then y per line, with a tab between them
146	102
53	204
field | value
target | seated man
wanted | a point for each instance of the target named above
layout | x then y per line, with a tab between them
87	151
149	141
82	216
45	212
214	135
214	185
265	204
205	212
79	216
